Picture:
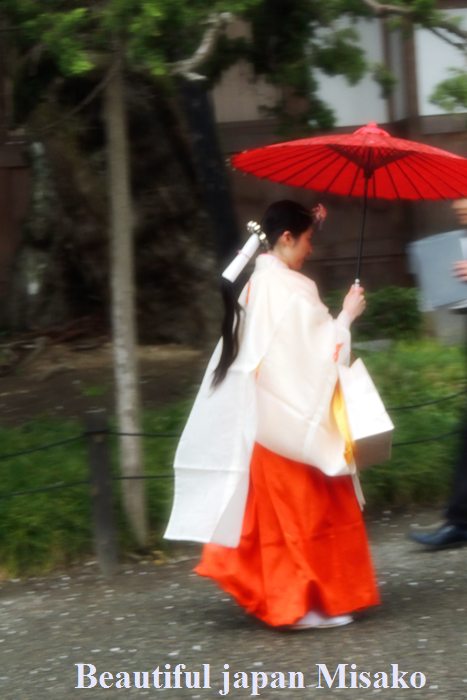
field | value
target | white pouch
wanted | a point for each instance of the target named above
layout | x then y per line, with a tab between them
369	425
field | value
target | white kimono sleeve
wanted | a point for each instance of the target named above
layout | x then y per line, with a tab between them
296	382
212	460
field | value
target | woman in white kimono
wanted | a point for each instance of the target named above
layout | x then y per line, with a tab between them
263	473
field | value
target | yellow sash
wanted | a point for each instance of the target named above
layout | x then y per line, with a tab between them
340	416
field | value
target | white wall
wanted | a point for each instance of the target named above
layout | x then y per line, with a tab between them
357	104
240	95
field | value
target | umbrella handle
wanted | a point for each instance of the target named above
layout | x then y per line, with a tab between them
362	230
356	282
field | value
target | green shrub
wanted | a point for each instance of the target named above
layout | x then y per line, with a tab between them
42	531
392	312
412	373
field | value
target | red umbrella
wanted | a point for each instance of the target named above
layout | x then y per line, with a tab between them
367	163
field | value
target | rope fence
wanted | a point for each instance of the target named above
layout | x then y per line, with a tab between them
115	433
100	478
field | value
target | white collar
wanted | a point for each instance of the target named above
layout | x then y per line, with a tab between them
267	260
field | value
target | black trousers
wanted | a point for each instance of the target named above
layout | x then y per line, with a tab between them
456	511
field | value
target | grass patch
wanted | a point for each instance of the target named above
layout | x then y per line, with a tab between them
95	390
40	532
408	373
43	531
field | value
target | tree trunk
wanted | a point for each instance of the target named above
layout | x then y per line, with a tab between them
123	303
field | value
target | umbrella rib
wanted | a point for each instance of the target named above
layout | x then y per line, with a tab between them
393	182
275	155
308	166
449	174
355	178
259	161
262	162
338	173
410	166
327	159
418	173
284	162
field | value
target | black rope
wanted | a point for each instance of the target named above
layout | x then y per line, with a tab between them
59	443
430	439
43	489
429	403
116	433
145	476
42	447
151	435
73	484
67	441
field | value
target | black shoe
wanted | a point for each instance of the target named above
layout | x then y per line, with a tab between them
448	535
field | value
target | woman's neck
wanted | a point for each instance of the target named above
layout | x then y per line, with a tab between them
277	254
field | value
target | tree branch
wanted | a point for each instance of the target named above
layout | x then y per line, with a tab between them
453	29
187	67
89	98
456	44
384	10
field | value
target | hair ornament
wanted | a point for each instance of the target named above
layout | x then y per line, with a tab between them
319	213
257	238
254	227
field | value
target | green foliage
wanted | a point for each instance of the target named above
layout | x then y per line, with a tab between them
392	312
95	390
289	41
42	531
411	373
425	11
61	32
341	54
80	35
155	34
451	94
288	44
385	79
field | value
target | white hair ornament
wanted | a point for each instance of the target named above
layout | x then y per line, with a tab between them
243	257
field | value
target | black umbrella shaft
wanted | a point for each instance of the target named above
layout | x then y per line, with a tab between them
362	231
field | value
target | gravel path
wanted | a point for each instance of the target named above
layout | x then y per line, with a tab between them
150	616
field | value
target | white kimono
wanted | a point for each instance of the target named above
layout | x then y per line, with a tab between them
277	392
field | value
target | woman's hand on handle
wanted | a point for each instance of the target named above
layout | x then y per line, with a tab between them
354	302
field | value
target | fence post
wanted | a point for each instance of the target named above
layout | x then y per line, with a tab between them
105	536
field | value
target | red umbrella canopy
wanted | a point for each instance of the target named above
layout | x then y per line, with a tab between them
368	161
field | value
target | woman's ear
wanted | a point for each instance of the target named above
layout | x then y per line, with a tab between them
286	238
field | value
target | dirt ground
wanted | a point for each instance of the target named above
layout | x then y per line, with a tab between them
66	379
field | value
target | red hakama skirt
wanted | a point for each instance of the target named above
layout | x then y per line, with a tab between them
303	545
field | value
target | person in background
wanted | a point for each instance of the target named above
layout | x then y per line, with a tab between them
453	530
263	476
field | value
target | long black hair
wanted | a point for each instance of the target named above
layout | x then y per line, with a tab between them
284	215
